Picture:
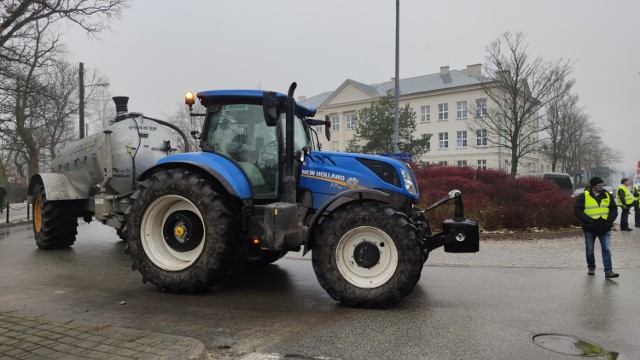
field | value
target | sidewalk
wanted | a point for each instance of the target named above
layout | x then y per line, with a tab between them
34	337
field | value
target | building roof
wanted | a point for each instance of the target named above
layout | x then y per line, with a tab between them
409	86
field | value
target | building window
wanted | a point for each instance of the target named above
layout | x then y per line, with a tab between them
461	137
462	109
319	129
443	140
335	123
425	113
481	137
482	164
352	123
335	146
481	107
442	163
443	111
462	163
427	145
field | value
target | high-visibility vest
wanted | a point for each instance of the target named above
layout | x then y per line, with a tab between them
592	208
637	194
628	198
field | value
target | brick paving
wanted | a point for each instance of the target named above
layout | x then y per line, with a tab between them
37	337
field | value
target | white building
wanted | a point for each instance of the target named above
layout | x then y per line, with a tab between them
444	104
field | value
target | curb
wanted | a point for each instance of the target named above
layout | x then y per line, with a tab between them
531	235
14	223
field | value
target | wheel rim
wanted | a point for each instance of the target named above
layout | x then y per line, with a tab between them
37	215
366	257
172	233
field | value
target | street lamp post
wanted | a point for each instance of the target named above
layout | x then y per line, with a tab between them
81	125
396	100
81	100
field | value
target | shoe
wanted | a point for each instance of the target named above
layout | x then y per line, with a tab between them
591	271
610	274
626	229
638	226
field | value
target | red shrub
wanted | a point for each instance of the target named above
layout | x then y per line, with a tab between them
495	199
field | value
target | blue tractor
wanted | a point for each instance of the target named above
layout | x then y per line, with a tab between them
260	188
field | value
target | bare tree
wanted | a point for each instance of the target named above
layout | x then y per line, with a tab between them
40	104
38	96
576	143
92	15
520	90
562	115
21	129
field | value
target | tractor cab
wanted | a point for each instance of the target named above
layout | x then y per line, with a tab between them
236	128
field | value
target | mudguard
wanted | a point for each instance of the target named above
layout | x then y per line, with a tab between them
57	187
221	168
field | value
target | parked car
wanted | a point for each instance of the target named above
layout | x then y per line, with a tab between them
609	189
563	180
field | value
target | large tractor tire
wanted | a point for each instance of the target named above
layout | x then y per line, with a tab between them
55	224
181	232
367	254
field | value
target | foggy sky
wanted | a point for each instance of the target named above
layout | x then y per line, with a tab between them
159	49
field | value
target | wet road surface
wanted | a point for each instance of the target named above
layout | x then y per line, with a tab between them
457	311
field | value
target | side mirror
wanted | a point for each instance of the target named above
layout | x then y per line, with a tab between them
327	127
271	108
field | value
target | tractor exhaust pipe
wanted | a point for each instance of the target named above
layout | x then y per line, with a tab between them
121	104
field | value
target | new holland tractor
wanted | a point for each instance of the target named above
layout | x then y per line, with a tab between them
261	187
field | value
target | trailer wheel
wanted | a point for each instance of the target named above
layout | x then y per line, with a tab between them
55	224
181	232
367	254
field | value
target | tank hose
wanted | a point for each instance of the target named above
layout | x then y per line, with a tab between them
187	147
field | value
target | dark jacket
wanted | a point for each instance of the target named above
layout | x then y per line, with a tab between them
599	226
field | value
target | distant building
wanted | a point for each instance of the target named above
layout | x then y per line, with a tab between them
444	104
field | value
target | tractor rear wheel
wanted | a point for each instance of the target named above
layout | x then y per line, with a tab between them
367	254
55	224
181	232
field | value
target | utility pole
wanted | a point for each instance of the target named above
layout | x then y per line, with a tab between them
396	99
81	100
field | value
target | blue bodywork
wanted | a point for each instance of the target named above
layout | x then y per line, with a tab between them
326	174
300	110
227	172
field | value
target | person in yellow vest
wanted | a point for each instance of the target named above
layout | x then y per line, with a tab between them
625	201
636	207
597	211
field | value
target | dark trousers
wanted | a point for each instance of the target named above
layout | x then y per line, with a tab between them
636	213
624	217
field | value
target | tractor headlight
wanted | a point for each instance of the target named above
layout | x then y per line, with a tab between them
408	182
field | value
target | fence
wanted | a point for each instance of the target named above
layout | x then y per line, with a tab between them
16	211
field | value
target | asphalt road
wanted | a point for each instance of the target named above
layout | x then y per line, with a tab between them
456	311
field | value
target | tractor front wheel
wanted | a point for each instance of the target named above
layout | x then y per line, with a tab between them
367	254
181	232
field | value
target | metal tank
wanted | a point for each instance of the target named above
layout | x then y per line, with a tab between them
120	152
